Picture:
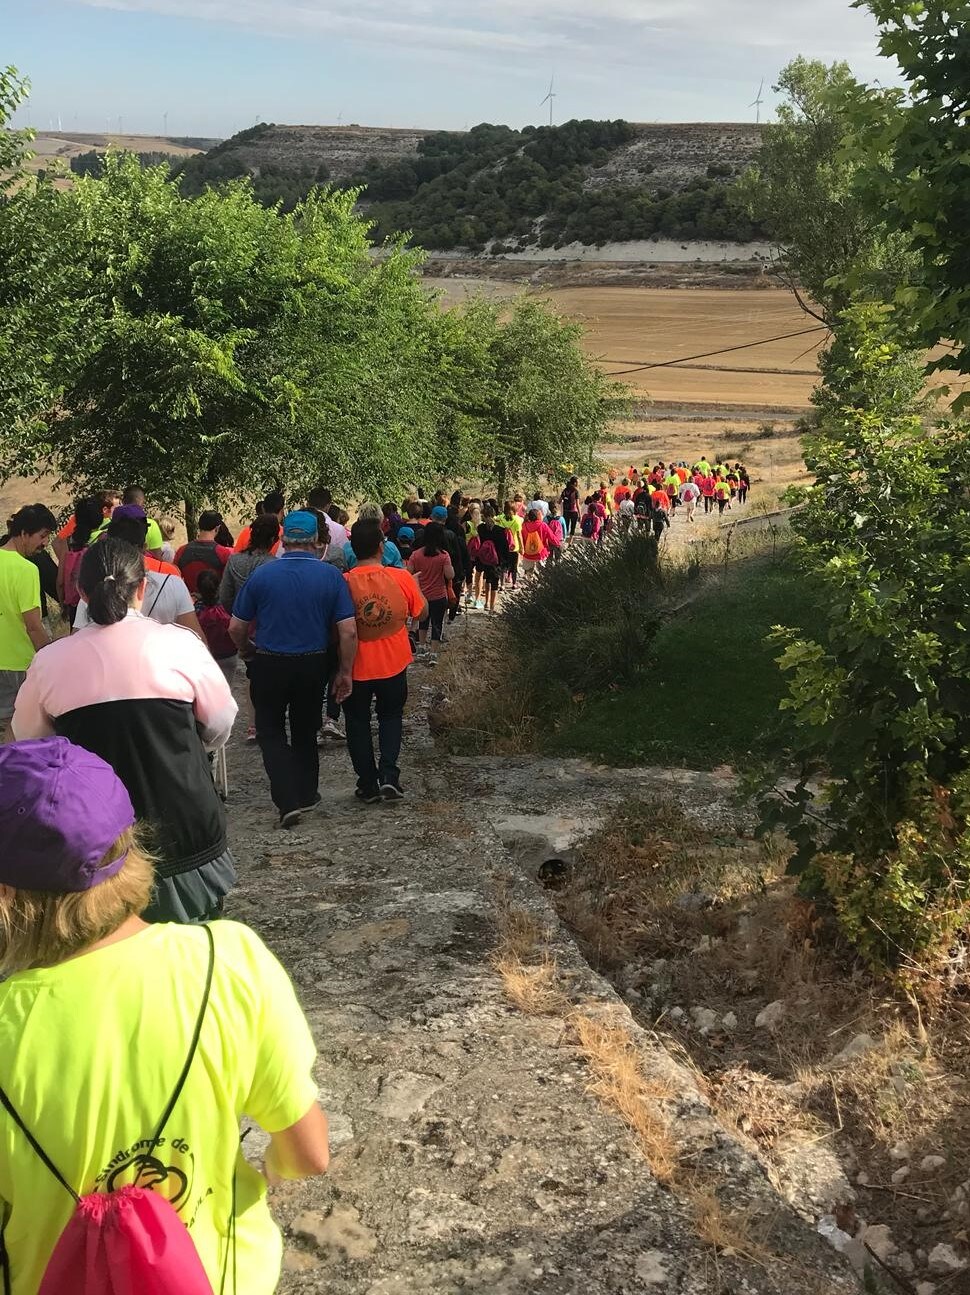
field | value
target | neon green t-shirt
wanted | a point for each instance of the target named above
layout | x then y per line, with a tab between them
90	1052
513	524
19	593
153	539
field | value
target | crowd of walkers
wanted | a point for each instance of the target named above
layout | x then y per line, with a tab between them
122	655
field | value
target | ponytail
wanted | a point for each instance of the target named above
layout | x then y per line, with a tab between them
110	574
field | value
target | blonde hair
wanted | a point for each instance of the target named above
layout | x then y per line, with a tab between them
40	930
168	528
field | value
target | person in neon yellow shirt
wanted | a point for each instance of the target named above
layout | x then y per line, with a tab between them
96	1021
22	630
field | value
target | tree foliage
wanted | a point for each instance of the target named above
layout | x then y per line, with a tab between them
14	144
921	187
813	194
540	402
880	698
208	346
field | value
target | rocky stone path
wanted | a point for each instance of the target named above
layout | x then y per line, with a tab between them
469	1155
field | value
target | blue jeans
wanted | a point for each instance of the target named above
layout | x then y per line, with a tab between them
390	695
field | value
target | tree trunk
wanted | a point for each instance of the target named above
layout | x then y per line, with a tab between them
502	472
191	518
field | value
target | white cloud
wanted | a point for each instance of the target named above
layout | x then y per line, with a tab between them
645	33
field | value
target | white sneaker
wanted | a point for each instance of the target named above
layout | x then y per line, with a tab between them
332	730
480	604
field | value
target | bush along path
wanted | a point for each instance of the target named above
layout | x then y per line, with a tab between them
499	1121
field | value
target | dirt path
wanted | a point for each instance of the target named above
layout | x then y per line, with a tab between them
470	1156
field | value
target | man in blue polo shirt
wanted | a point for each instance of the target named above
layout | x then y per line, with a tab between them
295	601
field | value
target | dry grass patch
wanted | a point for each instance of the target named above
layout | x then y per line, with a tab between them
618	1081
727	1232
482	704
534	990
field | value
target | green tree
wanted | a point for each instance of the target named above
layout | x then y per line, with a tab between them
222	340
880	698
14	144
812	193
542	402
922	183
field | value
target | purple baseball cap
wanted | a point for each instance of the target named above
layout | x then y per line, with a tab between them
61	810
133	512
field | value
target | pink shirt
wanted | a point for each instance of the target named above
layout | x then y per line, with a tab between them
545	535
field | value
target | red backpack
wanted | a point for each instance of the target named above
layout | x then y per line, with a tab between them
130	1241
70	566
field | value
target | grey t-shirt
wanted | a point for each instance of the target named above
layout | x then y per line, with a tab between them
166	598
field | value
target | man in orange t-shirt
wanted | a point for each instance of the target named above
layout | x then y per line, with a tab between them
385	599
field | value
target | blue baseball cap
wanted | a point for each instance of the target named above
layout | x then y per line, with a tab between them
405	533
439	513
301	527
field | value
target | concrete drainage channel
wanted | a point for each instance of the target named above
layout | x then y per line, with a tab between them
543	847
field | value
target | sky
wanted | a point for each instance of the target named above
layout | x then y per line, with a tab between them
212	67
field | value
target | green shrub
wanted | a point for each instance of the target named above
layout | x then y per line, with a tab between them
588	622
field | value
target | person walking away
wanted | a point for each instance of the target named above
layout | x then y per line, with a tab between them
295	602
390	554
689	494
108	501
150	700
431	566
87	519
536	542
166	599
465	572
439	514
274	505
659	519
214	620
168	528
510	521
557	529
135	496
85	975
540	505
569	502
22	629
707	492
385	598
622	492
264	535
722	492
486	549
592	524
744	485
203	553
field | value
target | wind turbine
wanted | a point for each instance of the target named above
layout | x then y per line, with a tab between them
550	97
758	102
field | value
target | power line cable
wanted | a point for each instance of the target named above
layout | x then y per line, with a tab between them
704	355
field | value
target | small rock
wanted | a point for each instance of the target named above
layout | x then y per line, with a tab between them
857	1047
651	1269
930	1164
299	1261
850	1247
901	1151
704	1019
730	1021
905	1263
879	1239
695	901
405	1094
703	945
340	1230
862	1178
770	1017
943	1261
900	1175
926	1288
633	996
676	1013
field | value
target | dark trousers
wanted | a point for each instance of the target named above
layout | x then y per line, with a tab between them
572	521
289	687
436	615
390	694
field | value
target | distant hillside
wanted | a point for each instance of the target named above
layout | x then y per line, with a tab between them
493	188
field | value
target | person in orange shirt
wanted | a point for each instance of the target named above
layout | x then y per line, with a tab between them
109	501
274	503
385	599
622	492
